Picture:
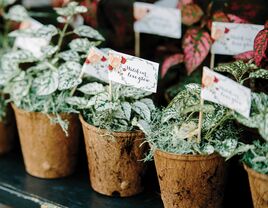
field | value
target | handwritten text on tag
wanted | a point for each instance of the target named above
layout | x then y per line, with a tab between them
224	91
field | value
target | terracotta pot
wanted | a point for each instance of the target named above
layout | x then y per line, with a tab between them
8	132
113	160
259	187
47	151
190	180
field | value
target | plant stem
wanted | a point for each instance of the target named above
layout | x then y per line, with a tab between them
5	35
62	34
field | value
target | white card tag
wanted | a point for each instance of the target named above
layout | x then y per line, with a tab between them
133	71
96	65
224	91
36	3
167	3
233	38
31	44
157	20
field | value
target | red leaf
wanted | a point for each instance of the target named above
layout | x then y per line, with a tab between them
196	45
123	60
103	59
246	56
184	2
235	19
261	48
171	61
191	13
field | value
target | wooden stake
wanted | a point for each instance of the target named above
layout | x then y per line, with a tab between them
200	120
137	44
74	89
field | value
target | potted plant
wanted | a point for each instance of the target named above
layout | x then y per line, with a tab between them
7	121
113	143
48	126
192	172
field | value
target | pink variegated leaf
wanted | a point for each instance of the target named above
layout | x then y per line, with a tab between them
191	13
235	19
196	45
184	2
261	48
218	16
246	56
171	61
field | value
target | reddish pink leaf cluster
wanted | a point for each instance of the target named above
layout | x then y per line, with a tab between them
261	48
246	56
196	45
235	19
171	61
184	2
191	13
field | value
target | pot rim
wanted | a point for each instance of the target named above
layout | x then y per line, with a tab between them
254	173
107	132
186	157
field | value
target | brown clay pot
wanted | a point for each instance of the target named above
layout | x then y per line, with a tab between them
47	151
190	180
259	187
113	160
8	132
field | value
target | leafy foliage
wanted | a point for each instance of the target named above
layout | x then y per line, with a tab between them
257	157
175	128
45	83
191	13
171	61
196	45
115	111
261	48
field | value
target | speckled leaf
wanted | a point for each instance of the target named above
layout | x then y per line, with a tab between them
261	73
171	61
142	110
261	48
70	55
82	45
196	45
69	75
17	13
89	32
92	88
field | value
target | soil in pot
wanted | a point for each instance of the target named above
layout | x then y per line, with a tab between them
114	162
47	151
259	188
190	180
8	132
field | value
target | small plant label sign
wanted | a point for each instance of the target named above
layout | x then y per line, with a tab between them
224	91
133	71
233	38
32	44
157	20
96	65
36	3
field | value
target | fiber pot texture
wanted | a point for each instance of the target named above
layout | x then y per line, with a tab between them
8	132
259	187
190	180
113	160
47	151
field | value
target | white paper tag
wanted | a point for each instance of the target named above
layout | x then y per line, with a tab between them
96	65
133	71
167	3
233	38
157	20
224	91
32	44
36	3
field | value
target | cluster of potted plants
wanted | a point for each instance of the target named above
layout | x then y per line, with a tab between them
49	96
